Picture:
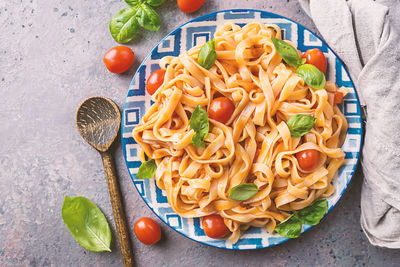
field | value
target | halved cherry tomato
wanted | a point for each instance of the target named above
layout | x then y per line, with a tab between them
315	57
214	226
308	159
147	231
155	80
338	97
119	59
190	6
221	109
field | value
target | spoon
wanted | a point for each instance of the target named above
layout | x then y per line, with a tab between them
98	120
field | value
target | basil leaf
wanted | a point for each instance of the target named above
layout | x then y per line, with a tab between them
291	227
207	54
147	169
312	214
86	223
287	52
312	76
200	124
133	3
123	25
155	2
197	140
300	124
148	18
243	192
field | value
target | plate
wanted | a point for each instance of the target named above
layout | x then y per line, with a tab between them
199	31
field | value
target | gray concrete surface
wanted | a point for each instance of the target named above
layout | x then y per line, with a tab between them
50	60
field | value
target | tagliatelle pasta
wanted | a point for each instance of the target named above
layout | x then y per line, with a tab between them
254	146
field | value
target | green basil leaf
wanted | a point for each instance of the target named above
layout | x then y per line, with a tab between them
243	191
86	223
312	76
207	54
291	227
147	169
155	2
197	140
133	3
123	25
148	18
313	214
287	52
300	124
200	124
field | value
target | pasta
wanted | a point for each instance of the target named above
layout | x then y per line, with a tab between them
254	146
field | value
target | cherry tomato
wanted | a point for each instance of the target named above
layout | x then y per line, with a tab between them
338	97
221	109
155	80
190	6
119	59
147	231
308	159
315	57
214	226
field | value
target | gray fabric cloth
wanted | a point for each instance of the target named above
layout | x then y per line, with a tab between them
365	35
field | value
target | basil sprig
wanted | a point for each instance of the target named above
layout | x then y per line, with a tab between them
287	52
125	24
200	124
243	191
147	169
86	223
148	18
309	73
150	2
300	124
312	76
207	54
312	215
291	227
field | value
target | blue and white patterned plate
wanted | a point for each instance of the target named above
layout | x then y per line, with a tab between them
199	31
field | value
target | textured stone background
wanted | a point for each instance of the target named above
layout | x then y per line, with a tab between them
50	60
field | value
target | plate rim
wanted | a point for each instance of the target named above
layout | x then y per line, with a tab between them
361	134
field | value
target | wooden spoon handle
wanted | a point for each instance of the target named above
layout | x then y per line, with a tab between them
118	209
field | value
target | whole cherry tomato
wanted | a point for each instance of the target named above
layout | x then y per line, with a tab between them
214	226
119	59
308	159
147	231
315	57
221	109
155	80
190	6
338	97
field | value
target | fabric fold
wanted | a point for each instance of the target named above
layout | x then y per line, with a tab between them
364	34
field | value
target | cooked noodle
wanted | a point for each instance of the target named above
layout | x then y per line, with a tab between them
254	146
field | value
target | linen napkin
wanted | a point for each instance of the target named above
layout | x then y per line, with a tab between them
365	35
